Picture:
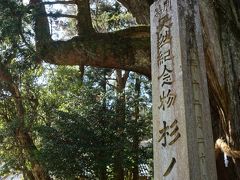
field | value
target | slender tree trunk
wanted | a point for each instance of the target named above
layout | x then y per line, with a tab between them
136	135
22	136
103	174
29	149
120	121
102	154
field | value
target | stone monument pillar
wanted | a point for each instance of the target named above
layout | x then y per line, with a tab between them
183	142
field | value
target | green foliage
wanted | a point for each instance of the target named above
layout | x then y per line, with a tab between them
72	120
11	153
80	127
111	16
18	73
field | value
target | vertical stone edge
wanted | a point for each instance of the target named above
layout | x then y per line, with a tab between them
192	169
185	8
207	122
154	95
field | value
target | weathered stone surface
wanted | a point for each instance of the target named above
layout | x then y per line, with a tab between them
183	144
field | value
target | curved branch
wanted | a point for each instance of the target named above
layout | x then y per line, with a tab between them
6	77
22	36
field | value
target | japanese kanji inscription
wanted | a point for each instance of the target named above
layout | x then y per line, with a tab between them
180	98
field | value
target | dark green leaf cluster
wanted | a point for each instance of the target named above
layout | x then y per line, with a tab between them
81	135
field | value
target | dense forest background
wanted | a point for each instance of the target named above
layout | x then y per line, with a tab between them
75	96
69	122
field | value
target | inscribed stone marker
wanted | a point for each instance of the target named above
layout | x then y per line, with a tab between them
183	144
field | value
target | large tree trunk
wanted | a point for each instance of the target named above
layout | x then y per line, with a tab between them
222	44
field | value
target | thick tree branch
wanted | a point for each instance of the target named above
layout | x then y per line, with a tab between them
127	49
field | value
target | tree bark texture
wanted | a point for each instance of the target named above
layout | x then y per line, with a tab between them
130	50
221	29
